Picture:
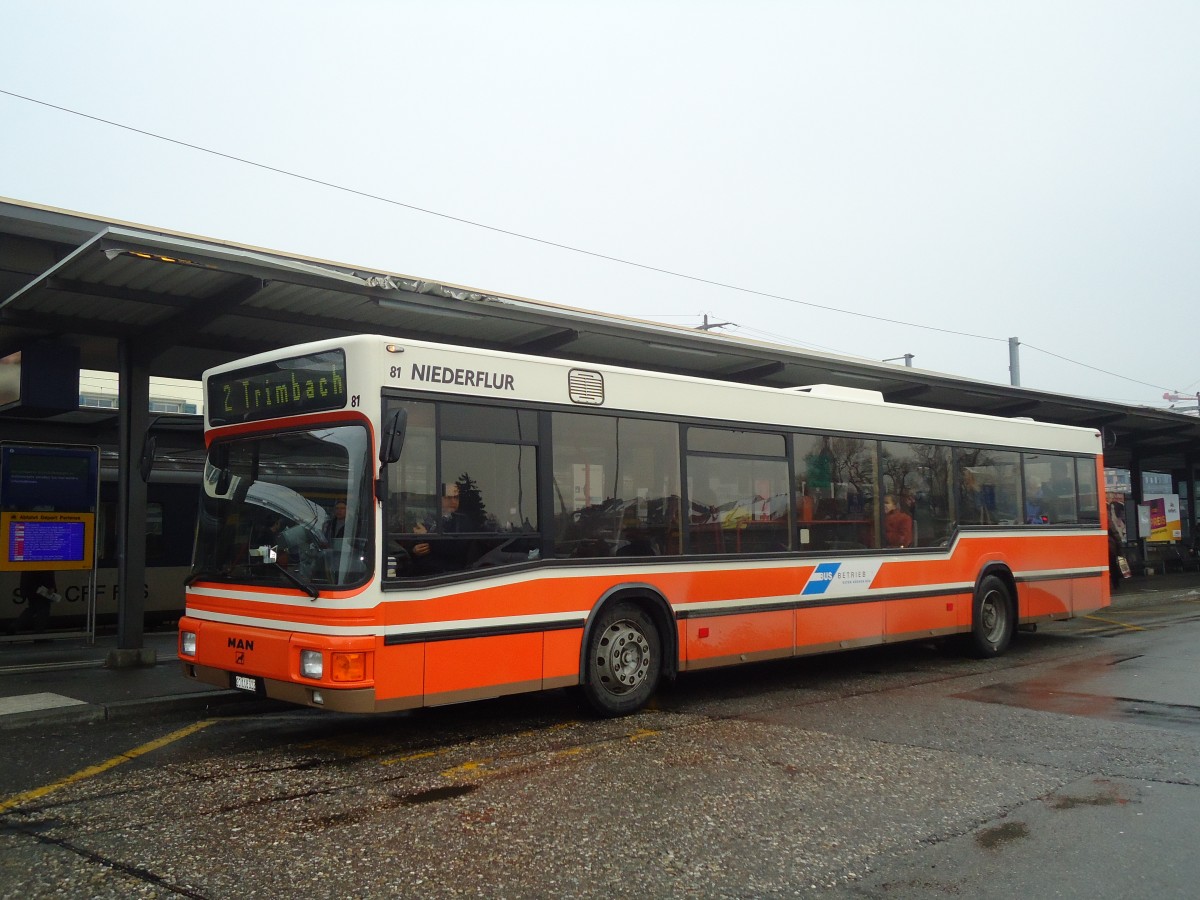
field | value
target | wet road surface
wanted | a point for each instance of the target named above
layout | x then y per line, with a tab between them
1070	767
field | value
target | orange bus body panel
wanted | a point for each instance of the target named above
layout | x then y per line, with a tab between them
400	674
724	640
477	668
820	629
560	657
540	615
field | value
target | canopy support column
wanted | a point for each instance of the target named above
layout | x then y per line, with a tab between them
133	421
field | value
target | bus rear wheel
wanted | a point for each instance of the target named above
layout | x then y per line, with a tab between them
624	660
993	619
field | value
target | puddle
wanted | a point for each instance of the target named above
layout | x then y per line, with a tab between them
435	794
994	838
1170	716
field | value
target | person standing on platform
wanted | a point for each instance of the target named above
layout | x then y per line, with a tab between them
39	591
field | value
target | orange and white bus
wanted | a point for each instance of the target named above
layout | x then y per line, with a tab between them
389	523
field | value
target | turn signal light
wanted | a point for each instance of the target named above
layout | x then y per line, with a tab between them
348	666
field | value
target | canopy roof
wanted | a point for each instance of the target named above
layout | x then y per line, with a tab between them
186	303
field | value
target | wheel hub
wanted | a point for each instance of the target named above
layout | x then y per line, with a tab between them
625	657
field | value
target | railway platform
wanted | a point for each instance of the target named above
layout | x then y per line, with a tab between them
67	679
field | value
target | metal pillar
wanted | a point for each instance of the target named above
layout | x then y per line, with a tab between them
133	419
1014	361
1189	532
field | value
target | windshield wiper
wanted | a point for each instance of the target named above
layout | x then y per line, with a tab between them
297	580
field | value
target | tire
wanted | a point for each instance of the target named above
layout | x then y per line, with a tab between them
624	660
993	619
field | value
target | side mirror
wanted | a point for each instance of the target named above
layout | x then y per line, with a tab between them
220	460
390	447
393	437
146	461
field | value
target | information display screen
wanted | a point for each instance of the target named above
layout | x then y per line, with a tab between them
49	497
58	478
46	542
285	387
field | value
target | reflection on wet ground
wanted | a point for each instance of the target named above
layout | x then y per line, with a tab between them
1053	693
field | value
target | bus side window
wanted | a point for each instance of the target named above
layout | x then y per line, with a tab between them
738	491
1088	493
837	504
918	477
615	486
1049	489
988	484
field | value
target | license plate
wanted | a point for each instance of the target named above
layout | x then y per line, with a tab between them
245	683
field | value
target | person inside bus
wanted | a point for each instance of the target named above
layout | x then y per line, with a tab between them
268	532
973	506
897	524
426	556
335	528
1036	512
638	543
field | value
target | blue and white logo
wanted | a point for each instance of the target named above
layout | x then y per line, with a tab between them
821	578
844	580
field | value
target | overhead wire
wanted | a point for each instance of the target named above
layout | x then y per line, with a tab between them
546	242
1076	362
494	228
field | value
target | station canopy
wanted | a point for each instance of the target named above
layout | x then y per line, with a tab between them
189	303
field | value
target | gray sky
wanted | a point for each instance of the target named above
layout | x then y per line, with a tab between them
989	169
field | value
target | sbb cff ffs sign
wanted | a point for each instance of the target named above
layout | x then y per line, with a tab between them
48	500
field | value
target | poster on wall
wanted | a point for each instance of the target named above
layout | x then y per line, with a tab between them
1158	514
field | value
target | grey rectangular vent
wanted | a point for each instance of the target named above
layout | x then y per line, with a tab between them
586	387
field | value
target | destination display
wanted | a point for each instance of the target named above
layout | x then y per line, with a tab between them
284	387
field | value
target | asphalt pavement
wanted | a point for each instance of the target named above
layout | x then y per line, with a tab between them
68	679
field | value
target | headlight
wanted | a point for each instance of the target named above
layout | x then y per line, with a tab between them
187	643
312	665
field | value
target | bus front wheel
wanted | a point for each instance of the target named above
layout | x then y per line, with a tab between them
993	619
624	660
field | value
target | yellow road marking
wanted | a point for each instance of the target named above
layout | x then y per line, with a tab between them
1115	622
18	799
423	754
467	769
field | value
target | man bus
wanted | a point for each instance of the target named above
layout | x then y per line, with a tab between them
514	523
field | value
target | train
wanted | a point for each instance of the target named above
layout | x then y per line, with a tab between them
172	501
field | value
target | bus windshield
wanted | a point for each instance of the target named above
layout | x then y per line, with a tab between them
288	509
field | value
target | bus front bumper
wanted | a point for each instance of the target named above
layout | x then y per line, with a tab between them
351	700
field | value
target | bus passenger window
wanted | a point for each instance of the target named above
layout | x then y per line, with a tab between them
836	502
1049	489
918	475
616	487
412	480
988	484
463	494
738	492
1089	499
